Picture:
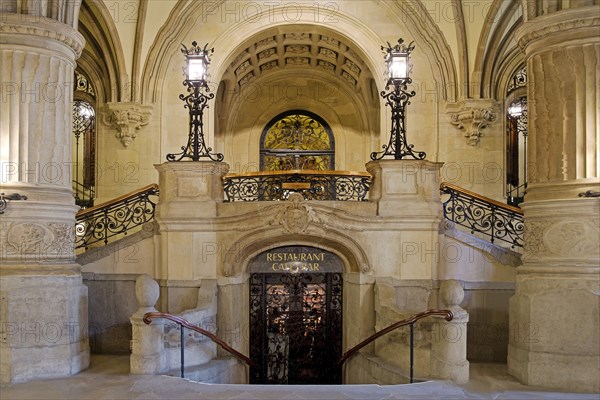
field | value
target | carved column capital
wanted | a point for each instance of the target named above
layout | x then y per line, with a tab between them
471	116
127	119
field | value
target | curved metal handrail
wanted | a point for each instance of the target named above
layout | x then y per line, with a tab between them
445	186
447	314
483	215
298	172
149	188
152	315
116	217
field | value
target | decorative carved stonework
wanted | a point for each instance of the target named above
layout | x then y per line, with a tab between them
472	117
296	216
127	119
37	240
561	238
534	238
42	28
572	238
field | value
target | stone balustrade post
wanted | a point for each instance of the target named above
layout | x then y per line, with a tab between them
148	355
449	342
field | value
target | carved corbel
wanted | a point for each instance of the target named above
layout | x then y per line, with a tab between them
127	119
472	117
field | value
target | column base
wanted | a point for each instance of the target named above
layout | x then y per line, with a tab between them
43	324
458	372
570	373
554	340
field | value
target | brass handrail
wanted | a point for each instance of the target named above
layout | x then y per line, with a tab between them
151	315
110	203
446	185
447	314
298	172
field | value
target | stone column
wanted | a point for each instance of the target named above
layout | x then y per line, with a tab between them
449	339
42	298
554	316
148	347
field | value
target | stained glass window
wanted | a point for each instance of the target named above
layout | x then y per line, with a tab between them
297	140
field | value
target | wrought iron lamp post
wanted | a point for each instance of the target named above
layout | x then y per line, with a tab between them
398	97
196	72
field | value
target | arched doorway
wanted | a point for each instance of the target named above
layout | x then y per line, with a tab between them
296	316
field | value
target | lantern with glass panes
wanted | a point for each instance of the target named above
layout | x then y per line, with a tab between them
397	96
197	60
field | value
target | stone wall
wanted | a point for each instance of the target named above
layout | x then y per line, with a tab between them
112	301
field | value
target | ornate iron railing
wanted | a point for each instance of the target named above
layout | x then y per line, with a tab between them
313	185
116	217
483	215
148	317
447	314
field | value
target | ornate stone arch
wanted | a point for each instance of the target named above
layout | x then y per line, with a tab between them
185	16
102	58
422	26
497	53
246	248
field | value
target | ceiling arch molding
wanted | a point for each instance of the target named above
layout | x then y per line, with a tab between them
102	57
351	117
269	64
495	45
186	15
421	25
511	63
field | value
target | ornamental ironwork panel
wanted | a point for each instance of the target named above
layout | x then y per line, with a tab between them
341	187
518	80
82	84
100	223
487	217
295	328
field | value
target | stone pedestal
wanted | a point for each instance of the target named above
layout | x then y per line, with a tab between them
190	191
186	212
449	338
43	300
554	316
407	195
405	188
147	345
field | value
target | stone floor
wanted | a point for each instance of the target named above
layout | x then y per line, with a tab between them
108	378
